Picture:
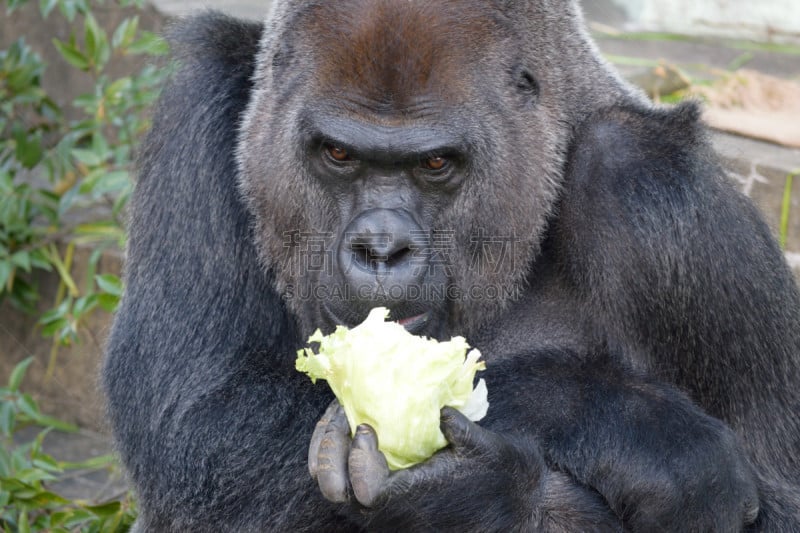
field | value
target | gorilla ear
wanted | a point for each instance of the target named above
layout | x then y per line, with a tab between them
525	84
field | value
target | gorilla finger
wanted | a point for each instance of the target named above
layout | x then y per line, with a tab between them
368	467
442	466
464	434
317	436
334	449
752	504
751	511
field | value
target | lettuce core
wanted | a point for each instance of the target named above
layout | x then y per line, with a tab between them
397	383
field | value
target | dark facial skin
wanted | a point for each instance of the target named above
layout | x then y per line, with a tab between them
388	182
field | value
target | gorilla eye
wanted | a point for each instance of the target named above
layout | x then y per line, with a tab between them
526	84
435	163
337	154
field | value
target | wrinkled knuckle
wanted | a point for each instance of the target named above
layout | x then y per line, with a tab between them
400	483
327	443
325	467
751	510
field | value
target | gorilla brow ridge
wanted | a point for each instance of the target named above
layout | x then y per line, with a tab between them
391	52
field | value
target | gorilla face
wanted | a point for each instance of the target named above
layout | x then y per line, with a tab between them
388	159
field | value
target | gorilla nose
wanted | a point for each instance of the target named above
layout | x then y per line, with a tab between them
379	247
379	250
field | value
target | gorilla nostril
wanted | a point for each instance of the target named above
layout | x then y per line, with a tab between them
374	249
367	255
371	257
399	257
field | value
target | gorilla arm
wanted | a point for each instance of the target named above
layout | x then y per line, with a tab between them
686	281
482	482
555	418
206	416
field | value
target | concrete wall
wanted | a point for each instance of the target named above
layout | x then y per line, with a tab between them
251	9
767	20
764	20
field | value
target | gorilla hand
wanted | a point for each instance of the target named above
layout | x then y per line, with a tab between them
478	471
345	468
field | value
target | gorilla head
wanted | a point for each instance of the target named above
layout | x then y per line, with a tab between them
408	154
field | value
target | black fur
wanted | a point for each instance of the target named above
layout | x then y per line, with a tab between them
203	429
646	379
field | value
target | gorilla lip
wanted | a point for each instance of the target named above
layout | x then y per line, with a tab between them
414	322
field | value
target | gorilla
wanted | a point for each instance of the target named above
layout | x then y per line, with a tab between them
476	167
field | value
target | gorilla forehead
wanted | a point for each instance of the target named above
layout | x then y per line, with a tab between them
398	53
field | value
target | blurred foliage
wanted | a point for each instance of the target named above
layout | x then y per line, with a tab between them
26	471
55	170
786	206
65	178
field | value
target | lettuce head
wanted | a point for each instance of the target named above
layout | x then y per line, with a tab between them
397	383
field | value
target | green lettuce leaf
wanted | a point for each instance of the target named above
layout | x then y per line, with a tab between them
397	383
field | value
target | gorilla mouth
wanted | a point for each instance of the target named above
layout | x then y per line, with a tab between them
414	323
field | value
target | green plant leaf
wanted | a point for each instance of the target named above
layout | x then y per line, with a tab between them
22	260
7	419
28	406
95	463
90	34
72	55
78	517
149	43
18	374
97	46
786	207
56	314
68	8
50	422
46	6
5	274
46	462
38	260
103	181
23	526
104	230
110	283
105	510
34	475
29	150
125	32
84	305
24	296
108	302
87	157
52	326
